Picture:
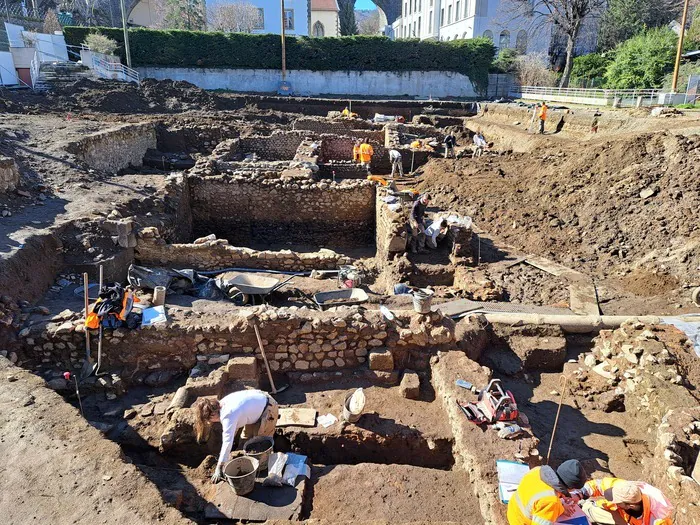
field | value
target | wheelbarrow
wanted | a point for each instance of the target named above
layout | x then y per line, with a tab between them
345	297
252	289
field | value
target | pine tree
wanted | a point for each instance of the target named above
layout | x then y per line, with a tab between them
348	25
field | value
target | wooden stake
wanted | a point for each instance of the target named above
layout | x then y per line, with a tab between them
267	365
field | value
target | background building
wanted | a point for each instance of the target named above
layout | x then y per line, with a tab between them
459	19
324	18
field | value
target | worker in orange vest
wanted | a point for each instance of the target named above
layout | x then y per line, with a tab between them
539	498
543	116
366	152
615	501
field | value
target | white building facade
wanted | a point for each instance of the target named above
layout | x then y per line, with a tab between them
447	20
297	16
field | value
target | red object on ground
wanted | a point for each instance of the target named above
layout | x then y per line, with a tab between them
66	376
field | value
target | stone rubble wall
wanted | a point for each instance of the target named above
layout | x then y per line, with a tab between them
392	235
295	340
340	126
115	148
281	145
153	250
273	211
191	137
9	174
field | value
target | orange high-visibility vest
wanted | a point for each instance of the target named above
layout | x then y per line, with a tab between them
355	152
602	489
366	152
534	502
543	112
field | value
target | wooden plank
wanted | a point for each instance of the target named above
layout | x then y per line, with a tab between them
297	417
546	265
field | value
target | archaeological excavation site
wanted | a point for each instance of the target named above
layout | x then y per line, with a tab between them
417	341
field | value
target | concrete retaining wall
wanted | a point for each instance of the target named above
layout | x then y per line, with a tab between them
305	82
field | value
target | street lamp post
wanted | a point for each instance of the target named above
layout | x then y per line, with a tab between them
679	51
284	52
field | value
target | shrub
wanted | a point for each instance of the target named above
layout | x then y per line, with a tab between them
151	47
590	69
505	61
100	43
642	61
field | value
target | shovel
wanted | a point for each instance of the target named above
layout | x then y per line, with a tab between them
267	366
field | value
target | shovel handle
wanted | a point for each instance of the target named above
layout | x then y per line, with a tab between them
86	283
267	365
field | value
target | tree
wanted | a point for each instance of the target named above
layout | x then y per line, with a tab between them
100	43
236	17
51	22
532	70
565	15
692	37
184	14
643	60
348	26
369	22
626	18
590	69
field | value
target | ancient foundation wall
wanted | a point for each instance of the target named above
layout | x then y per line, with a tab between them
115	148
272	211
392	235
337	127
296	340
9	174
278	146
153	250
192	138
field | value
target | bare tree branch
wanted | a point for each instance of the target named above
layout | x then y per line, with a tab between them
239	17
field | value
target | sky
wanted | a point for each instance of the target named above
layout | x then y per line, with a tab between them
364	4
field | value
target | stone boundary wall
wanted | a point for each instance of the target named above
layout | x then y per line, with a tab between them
153	250
306	82
115	148
191	137
392	236
246	211
295	339
9	174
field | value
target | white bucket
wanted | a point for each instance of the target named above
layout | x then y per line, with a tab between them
422	299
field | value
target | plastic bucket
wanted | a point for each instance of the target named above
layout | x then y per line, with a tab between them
348	416
259	448
421	300
240	474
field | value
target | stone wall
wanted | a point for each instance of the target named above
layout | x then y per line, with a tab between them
392	235
192	137
337	126
295	339
153	250
116	148
9	174
281	145
266	211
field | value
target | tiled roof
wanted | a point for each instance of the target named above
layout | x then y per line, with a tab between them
324	5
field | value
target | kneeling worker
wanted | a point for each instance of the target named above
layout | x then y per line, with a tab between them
538	499
615	501
254	410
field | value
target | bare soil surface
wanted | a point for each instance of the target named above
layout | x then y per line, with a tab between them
58	469
395	493
623	210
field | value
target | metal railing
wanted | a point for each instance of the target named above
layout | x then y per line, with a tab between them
114	70
586	92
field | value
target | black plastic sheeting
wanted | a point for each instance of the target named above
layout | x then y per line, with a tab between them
186	281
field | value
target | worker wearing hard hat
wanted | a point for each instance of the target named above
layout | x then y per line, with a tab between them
539	498
615	501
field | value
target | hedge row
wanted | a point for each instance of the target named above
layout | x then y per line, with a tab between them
150	47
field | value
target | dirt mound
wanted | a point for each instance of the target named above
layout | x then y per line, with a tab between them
608	207
110	96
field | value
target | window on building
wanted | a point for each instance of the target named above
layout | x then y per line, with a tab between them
261	19
431	3
442	17
504	39
405	8
447	39
467	7
430	23
521	42
488	34
482	8
449	14
414	35
457	11
464	35
418	27
420	5
456	37
288	19
318	29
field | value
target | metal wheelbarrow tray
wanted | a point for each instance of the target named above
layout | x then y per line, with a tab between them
253	284
348	296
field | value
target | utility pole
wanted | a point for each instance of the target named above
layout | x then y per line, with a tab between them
126	35
284	51
680	47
